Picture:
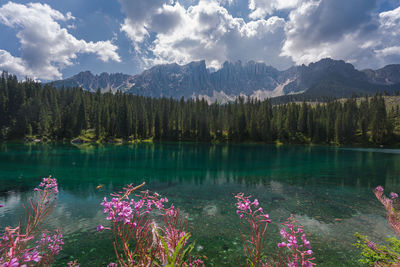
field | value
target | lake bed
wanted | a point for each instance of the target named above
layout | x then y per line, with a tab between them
328	189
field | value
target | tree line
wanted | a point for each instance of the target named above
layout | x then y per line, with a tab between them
30	108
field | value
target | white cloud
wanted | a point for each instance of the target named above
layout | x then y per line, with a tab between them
390	19
165	31
138	14
12	64
342	29
227	2
388	51
207	31
46	47
261	8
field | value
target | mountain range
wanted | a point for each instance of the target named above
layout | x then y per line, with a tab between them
325	78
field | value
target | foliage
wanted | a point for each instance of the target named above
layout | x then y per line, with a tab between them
253	232
18	246
138	240
297	253
379	255
392	212
29	108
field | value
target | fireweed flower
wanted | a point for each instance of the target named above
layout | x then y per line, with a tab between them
123	209
12	263
254	222
131	222
53	243
33	256
298	247
392	212
255	202
100	228
15	244
371	245
73	264
379	188
281	245
48	184
196	263
246	207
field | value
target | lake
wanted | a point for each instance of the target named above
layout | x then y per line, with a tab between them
328	189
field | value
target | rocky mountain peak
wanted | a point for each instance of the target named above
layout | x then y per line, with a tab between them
325	77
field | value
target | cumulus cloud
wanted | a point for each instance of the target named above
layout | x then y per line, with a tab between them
166	32
11	64
388	49
327	28
391	19
227	2
206	31
261	8
341	29
138	16
46	47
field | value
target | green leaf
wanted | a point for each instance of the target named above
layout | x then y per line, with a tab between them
180	246
188	250
165	248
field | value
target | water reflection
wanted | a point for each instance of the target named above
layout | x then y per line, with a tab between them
328	190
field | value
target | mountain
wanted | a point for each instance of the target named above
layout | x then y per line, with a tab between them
387	75
173	80
90	82
325	78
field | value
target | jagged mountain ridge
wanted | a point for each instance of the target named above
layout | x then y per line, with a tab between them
326	77
90	82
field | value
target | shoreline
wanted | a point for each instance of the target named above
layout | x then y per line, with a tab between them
121	141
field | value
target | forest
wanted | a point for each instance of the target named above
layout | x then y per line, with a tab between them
29	108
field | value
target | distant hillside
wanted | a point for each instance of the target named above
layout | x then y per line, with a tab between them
326	78
105	82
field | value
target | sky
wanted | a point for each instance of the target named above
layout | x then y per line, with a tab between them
53	39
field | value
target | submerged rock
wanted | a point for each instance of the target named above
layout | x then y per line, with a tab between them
210	210
278	199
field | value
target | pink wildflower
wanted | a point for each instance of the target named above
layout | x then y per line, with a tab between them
371	245
73	264
12	263
281	245
48	184
51	242
298	253
379	188
196	263
255	202
255	221
34	256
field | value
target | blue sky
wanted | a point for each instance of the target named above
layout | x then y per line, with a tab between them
56	39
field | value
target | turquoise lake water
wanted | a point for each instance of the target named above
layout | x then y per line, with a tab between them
328	190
